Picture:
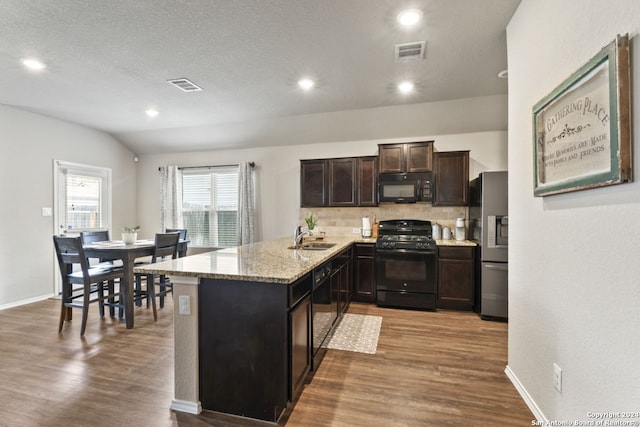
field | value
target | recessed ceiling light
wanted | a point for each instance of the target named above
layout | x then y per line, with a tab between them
151	112
405	87
33	64
306	84
503	74
409	17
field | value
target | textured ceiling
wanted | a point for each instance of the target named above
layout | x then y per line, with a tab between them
107	61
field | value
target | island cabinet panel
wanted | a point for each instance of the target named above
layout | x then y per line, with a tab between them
364	284
341	279
300	327
456	278
451	178
244	348
314	183
408	157
342	182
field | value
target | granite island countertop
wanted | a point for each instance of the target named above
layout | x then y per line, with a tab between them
270	261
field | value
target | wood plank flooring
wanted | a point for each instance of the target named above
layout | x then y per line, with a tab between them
442	368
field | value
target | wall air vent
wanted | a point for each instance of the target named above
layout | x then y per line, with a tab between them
410	51
185	85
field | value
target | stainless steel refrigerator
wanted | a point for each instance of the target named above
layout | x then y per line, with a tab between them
489	228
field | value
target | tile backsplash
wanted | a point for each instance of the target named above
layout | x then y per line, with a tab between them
342	221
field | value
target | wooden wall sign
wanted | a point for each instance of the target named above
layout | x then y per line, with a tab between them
582	130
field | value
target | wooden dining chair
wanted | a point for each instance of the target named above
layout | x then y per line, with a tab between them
86	285
182	247
166	246
182	231
89	237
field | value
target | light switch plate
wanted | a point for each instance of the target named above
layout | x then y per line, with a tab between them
184	305
47	212
557	378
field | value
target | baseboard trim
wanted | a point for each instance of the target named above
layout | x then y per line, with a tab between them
25	301
186	406
533	407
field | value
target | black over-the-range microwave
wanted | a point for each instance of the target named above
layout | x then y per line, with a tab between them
405	187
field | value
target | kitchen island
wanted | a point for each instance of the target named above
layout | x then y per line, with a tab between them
242	325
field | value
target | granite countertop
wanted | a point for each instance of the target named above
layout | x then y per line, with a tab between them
269	261
454	242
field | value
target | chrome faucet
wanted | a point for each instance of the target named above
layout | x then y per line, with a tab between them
298	234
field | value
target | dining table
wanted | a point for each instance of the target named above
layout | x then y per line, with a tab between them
128	253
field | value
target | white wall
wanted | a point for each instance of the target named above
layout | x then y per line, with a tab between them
574	270
29	144
278	173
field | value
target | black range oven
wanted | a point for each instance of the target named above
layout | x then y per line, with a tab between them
406	260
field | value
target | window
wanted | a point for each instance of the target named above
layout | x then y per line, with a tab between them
210	206
83	197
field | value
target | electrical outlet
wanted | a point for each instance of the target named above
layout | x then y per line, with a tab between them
557	378
355	230
46	212
184	303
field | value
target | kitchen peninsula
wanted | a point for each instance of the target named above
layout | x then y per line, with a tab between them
243	325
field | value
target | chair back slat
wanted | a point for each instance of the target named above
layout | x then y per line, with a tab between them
89	237
166	246
182	231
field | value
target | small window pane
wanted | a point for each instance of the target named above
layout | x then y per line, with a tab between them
84	195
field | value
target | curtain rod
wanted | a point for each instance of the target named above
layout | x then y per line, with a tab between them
252	164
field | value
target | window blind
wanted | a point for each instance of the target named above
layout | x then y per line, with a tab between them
210	206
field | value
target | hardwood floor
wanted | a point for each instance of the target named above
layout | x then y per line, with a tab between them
443	368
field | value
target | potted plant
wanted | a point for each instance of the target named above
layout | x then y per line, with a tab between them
130	234
311	221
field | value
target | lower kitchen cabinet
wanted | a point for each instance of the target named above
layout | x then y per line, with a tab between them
364	283
300	327
341	279
456	277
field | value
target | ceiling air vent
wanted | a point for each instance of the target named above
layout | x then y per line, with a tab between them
185	85
410	51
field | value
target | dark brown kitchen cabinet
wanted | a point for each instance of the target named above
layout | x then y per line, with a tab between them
364	283
342	182
408	157
367	182
341	279
339	182
451	178
300	327
456	277
314	183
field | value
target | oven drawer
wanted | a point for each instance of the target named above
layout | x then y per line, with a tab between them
406	300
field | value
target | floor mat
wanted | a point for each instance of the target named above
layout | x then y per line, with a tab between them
357	332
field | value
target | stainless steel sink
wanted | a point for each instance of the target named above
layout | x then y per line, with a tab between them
314	246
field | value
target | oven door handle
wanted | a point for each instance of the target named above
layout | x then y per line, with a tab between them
405	251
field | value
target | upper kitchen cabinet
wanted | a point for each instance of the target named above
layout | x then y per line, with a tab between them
451	178
367	182
314	183
349	181
409	157
342	179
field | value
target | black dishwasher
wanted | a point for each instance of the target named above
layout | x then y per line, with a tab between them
324	310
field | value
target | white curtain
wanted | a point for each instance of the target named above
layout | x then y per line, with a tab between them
246	203
171	197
